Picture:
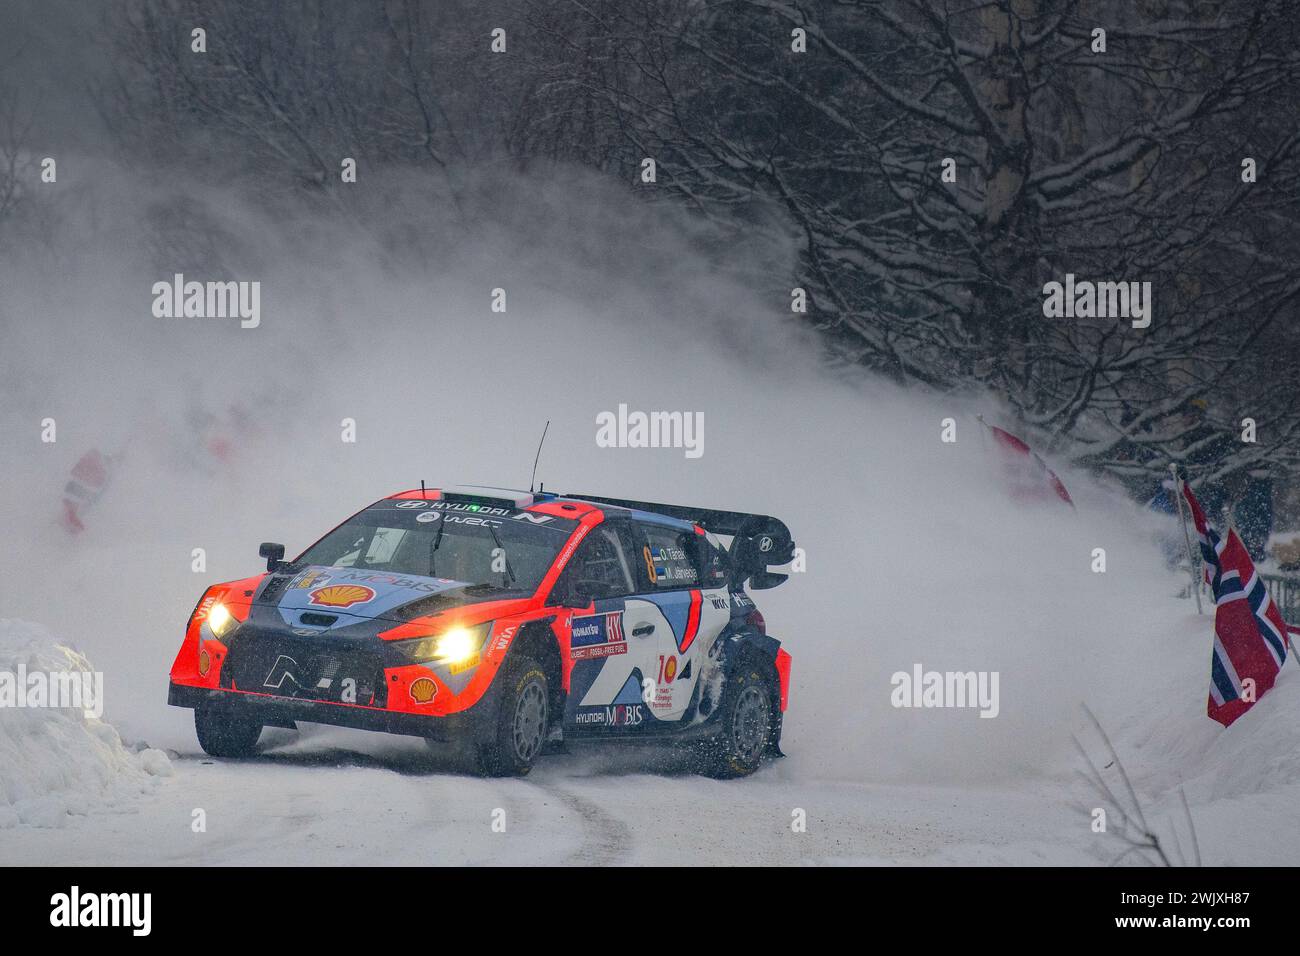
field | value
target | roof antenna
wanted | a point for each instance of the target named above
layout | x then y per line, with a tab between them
533	479
422	494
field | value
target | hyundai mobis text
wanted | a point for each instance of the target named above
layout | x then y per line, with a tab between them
505	621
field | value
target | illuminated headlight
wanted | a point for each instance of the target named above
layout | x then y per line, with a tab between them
220	620
456	646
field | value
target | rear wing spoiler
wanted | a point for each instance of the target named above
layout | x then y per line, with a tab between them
758	541
710	519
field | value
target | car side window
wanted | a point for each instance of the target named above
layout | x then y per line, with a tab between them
671	557
601	560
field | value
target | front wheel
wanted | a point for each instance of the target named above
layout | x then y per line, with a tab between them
223	732
521	726
746	725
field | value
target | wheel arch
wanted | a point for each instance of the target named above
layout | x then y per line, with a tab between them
537	640
752	647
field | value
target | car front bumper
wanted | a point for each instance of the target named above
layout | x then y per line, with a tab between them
277	711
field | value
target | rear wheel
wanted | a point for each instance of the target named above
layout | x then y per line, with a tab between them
745	725
223	732
521	726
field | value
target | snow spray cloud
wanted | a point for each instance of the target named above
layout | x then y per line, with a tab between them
399	342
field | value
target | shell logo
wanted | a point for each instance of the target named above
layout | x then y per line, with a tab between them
341	595
423	690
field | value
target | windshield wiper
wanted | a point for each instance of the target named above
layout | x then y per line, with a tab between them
497	541
437	541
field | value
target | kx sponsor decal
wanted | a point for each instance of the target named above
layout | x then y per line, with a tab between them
600	635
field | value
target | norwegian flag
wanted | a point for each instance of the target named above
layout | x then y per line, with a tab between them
1028	474
1250	638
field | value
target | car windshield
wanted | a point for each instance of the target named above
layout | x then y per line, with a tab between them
476	543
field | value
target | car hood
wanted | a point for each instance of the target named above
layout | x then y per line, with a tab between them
332	597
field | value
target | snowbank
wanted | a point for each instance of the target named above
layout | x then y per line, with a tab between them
56	762
1241	783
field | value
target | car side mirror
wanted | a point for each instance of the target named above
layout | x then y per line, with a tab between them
273	553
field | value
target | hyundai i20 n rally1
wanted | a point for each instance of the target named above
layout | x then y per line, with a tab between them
504	621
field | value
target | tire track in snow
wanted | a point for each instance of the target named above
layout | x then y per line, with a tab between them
606	840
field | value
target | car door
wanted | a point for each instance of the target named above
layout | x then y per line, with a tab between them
682	592
611	653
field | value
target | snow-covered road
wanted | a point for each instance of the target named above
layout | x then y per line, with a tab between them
71	793
336	797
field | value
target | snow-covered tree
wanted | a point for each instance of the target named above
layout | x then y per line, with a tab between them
937	165
941	162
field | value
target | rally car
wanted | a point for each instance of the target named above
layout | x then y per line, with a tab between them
507	621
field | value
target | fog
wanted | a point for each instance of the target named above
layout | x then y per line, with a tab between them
378	310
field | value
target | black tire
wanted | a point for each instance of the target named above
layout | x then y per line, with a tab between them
520	730
223	732
745	724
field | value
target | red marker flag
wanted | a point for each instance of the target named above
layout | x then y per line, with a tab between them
87	482
1028	474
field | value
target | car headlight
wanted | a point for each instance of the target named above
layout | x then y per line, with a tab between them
220	620
455	646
